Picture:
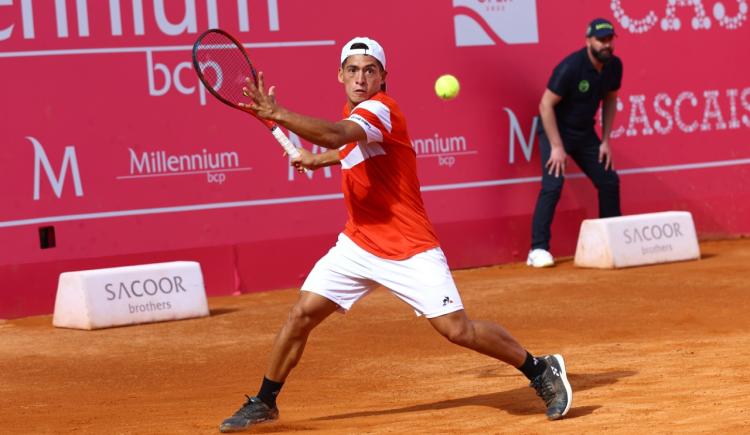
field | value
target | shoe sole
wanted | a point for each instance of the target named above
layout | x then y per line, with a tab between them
539	266
231	429
568	390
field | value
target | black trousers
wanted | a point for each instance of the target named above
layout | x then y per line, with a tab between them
584	150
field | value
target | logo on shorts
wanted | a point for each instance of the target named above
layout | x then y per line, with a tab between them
447	300
583	86
491	22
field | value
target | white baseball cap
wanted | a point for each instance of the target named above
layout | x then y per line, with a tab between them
373	49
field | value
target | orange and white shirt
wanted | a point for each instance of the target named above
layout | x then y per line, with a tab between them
381	190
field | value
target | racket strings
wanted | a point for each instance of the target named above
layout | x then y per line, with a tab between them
223	66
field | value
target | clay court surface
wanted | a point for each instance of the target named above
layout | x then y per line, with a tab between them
662	348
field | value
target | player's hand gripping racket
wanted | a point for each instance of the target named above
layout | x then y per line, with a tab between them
222	65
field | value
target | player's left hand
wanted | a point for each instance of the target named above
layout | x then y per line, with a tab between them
263	105
305	161
605	155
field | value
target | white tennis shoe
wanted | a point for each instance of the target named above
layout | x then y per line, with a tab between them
540	258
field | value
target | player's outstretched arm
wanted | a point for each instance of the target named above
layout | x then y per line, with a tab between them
318	131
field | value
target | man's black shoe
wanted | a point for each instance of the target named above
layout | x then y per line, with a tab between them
252	412
553	387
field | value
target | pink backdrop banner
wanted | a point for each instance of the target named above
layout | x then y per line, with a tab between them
110	141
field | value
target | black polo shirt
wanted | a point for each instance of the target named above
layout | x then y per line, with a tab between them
582	89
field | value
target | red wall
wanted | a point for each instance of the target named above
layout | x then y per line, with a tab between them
86	97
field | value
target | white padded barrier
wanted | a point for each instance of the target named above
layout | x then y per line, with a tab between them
637	240
100	298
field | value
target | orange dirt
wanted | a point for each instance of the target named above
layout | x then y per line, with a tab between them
662	348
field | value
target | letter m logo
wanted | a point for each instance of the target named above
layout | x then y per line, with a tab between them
57	181
516	132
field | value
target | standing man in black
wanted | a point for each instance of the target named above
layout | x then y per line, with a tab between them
578	85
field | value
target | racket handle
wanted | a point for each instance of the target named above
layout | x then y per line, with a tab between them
290	149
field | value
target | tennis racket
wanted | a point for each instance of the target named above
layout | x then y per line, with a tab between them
222	65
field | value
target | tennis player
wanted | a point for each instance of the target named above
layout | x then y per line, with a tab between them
388	239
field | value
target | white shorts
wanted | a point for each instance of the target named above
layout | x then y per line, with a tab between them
347	273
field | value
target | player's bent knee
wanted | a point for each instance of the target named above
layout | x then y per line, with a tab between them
300	322
307	313
462	337
458	332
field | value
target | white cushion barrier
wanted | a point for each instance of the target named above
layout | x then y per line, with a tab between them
636	240
100	298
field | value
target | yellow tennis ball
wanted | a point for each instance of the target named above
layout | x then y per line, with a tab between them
447	87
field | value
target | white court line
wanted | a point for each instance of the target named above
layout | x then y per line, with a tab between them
175	209
669	168
328	197
163	48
